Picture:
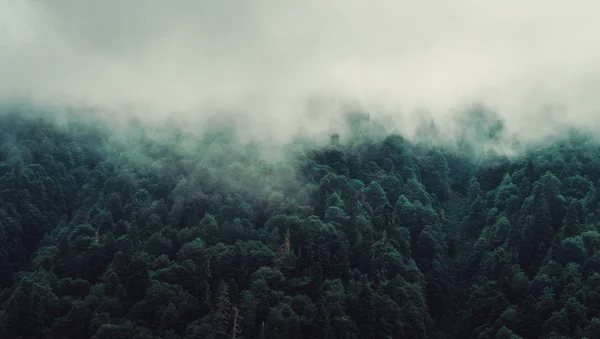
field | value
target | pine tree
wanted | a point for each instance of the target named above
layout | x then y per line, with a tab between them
287	241
35	319
542	219
222	302
571	223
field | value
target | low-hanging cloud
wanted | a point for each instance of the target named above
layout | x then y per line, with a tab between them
536	62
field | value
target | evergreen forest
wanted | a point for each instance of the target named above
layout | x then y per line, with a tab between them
139	232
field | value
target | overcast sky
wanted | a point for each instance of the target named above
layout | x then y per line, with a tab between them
268	57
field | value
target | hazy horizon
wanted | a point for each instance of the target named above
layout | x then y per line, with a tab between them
282	67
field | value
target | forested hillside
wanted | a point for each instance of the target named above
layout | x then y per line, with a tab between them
107	234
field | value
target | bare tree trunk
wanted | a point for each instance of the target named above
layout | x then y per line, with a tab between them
235	318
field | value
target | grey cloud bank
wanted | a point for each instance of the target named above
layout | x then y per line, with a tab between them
537	63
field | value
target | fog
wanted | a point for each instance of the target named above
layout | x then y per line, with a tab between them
284	66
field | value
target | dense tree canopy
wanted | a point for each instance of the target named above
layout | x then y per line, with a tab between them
372	236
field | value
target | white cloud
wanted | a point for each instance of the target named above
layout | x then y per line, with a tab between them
265	58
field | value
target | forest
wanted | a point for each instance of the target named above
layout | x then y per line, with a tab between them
141	233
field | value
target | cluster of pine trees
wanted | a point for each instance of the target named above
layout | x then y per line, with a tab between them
374	236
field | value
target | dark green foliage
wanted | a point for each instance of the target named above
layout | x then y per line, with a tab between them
372	236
